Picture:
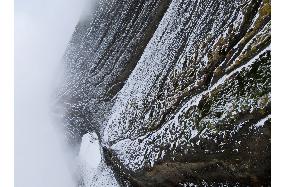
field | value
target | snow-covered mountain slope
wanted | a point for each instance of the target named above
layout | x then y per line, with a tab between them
92	169
177	91
101	55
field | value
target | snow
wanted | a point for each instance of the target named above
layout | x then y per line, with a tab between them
94	172
261	122
90	150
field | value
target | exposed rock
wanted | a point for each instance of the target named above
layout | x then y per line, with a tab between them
177	91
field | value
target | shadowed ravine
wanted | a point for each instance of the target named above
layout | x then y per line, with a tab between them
176	92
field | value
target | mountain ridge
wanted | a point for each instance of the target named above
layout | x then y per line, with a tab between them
178	92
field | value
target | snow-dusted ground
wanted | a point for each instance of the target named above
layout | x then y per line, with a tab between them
94	172
188	89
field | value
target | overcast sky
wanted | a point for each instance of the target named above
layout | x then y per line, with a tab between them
42	30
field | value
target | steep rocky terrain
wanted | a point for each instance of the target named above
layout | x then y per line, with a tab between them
178	92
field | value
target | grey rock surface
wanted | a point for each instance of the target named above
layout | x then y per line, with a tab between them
178	92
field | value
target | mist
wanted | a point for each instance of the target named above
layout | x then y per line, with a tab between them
42	31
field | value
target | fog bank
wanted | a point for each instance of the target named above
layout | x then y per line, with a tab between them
42	31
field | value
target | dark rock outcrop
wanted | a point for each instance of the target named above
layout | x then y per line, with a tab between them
177	91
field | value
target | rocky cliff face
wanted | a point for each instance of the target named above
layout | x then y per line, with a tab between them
178	92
